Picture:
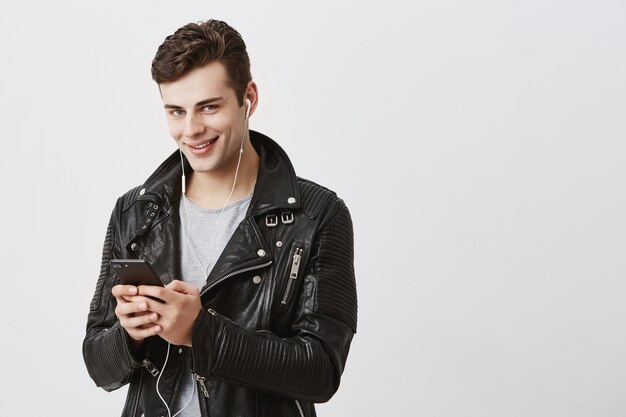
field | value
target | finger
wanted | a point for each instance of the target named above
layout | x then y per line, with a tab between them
155	306
182	287
155	291
140	334
125	309
138	299
143	321
120	290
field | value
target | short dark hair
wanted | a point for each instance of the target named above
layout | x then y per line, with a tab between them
197	44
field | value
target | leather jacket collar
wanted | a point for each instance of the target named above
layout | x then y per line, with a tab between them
276	186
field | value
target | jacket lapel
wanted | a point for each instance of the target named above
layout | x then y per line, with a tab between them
245	250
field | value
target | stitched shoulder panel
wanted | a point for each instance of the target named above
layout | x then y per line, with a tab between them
313	197
130	197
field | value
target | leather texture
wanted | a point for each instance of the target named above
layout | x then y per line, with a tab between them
274	334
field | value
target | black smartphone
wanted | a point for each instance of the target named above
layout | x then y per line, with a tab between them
135	272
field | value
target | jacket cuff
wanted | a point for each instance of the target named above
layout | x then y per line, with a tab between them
110	357
204	336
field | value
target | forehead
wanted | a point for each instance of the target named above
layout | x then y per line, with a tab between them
201	83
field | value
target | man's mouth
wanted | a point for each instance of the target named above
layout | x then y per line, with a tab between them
203	145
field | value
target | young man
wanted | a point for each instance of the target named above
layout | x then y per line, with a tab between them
260	301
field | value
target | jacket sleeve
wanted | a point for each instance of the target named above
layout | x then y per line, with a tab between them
307	366
106	347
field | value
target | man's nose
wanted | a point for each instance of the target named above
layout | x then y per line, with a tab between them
193	125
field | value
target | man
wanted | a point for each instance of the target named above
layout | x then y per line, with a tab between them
260	302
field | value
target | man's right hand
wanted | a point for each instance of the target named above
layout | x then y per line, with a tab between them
134	315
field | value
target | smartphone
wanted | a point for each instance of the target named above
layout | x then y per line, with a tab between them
135	272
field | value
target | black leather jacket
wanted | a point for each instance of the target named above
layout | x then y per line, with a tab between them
280	306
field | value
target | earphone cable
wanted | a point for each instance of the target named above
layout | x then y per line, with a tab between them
202	267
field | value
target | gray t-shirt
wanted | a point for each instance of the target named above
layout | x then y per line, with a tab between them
209	232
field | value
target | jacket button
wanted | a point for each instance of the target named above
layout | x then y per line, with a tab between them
291	200
134	247
142	191
279	244
261	252
256	279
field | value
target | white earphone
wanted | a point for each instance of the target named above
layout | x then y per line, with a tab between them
248	106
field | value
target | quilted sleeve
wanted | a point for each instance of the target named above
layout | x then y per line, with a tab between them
106	347
307	366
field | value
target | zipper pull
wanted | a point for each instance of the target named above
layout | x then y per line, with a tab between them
150	367
293	275
201	380
295	264
216	314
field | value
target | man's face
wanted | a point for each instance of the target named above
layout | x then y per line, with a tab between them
205	119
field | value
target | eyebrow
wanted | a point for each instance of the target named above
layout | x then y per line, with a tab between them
198	104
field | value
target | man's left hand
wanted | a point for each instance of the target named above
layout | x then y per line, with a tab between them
179	312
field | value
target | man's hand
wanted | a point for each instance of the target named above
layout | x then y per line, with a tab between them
177	315
134	316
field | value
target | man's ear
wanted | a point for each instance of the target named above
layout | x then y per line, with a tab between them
252	94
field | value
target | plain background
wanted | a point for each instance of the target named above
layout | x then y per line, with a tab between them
479	146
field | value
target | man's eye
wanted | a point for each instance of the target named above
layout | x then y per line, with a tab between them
176	112
209	107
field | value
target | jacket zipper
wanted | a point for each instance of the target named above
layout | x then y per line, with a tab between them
215	313
154	371
240	271
201	380
293	275
299	408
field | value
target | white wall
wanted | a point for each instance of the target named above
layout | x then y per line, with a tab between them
479	145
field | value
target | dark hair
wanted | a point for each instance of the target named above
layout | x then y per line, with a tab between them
198	44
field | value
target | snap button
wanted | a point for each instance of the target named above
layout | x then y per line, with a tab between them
256	279
260	252
142	191
279	243
291	200
180	350
134	247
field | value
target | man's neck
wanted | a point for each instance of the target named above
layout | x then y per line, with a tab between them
210	190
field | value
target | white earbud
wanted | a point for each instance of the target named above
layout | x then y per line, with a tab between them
248	106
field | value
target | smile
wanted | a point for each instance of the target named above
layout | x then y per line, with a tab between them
203	145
